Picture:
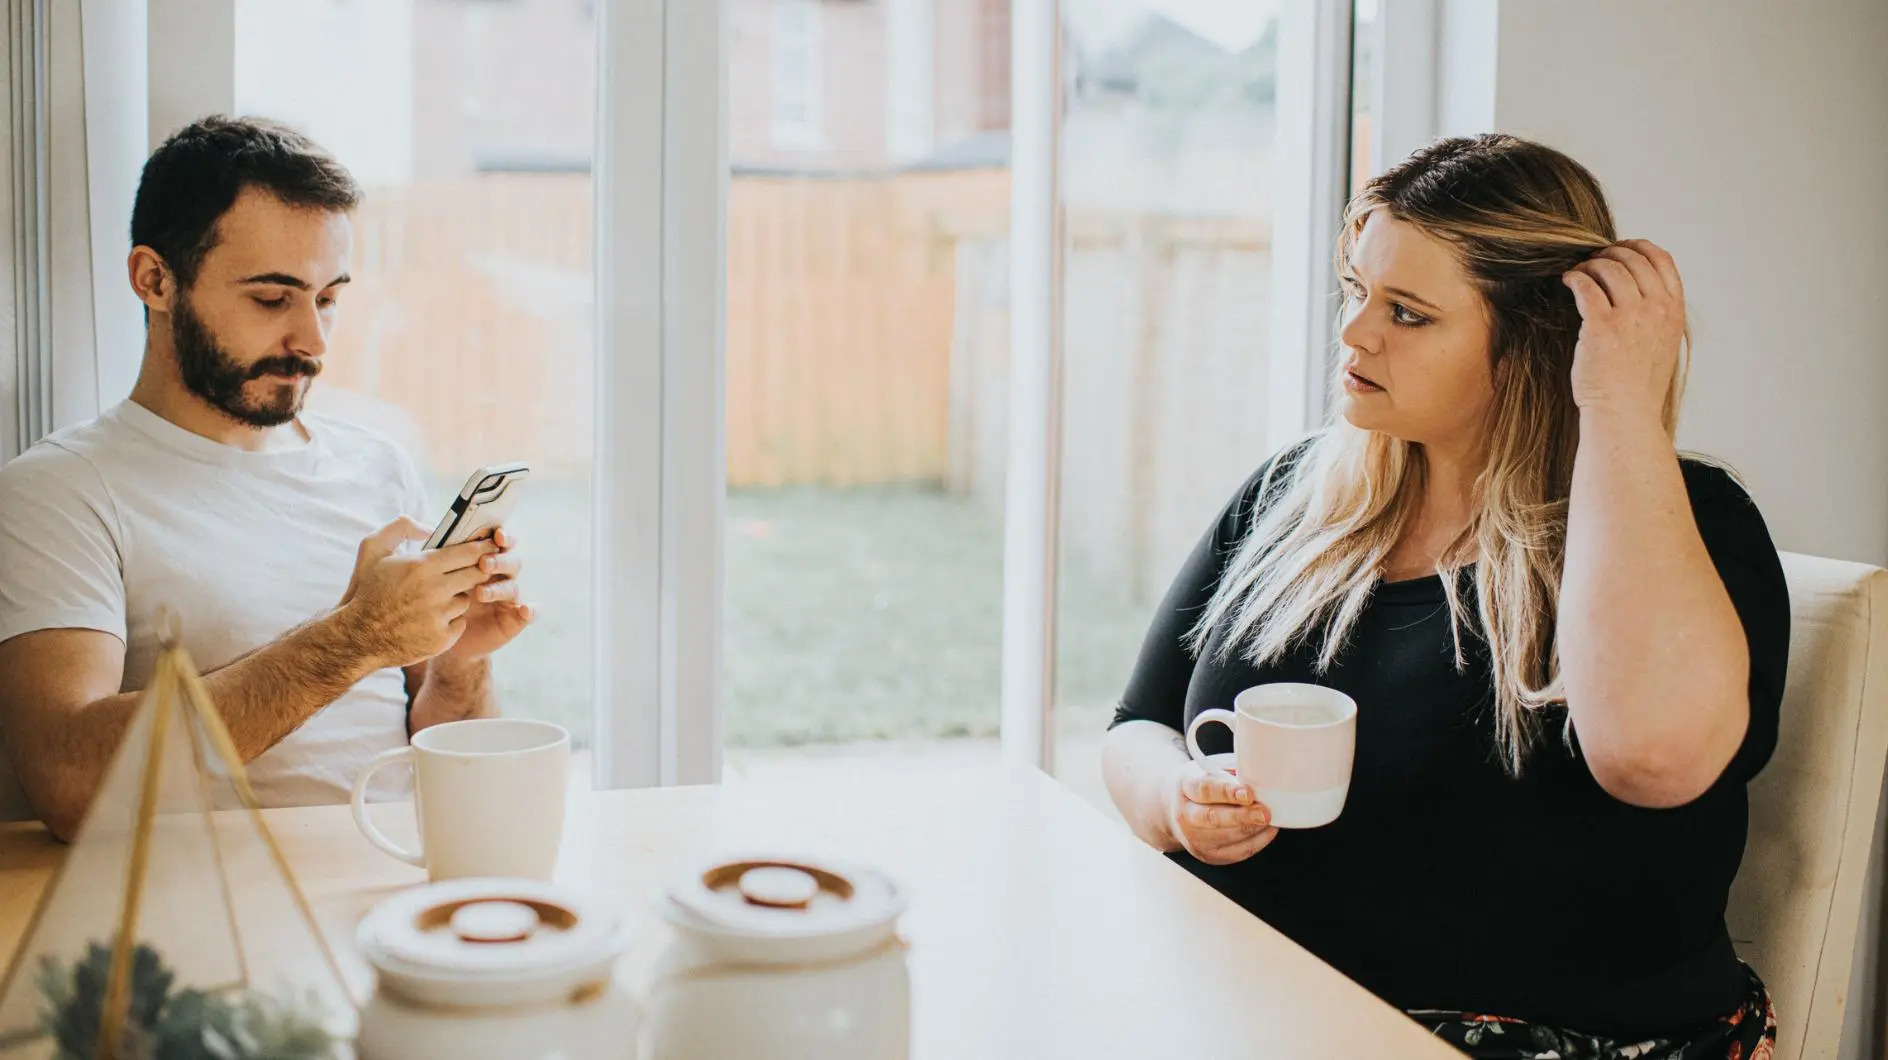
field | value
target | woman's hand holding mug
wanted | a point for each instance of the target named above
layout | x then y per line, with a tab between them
1216	818
1293	745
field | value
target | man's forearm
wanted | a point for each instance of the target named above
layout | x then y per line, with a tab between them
273	690
450	690
262	697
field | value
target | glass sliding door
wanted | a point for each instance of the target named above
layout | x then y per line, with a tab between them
467	333
1188	164
865	376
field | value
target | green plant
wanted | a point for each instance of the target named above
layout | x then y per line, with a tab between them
76	997
186	1025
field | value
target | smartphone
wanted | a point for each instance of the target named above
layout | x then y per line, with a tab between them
482	506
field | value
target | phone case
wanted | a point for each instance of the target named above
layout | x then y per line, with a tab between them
483	504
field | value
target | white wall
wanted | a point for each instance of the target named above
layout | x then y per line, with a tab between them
73	295
117	127
1750	139
1466	46
340	72
190	47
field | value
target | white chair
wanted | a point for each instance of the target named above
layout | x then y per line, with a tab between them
1806	890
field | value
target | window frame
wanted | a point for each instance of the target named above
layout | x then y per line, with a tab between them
1312	178
1032	479
660	477
1312	159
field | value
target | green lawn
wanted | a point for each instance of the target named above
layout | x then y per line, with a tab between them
851	614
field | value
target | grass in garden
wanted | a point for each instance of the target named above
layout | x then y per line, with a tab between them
850	614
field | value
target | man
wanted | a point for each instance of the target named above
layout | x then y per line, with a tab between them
278	536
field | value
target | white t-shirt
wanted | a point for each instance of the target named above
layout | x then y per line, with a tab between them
103	523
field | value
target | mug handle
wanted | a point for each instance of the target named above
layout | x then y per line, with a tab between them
1224	717
375	835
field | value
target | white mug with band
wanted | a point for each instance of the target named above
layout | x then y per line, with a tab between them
1294	745
489	795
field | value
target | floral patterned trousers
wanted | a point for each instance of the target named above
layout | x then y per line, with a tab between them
1749	1033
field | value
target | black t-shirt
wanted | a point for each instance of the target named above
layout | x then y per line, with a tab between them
1448	884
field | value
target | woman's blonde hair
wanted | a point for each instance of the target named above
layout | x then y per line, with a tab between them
1518	215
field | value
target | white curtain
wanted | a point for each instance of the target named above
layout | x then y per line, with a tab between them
20	316
76	101
74	87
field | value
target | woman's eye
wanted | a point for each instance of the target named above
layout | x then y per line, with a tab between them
1404	316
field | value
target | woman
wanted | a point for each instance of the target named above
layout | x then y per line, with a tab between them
1566	644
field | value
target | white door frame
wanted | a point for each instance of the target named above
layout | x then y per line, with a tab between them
1032	481
660	478
1404	106
1311	171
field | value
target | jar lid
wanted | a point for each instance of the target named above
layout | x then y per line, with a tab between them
477	942
785	898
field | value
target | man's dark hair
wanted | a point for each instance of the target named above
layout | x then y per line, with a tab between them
191	181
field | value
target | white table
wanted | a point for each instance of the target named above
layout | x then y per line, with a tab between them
1039	928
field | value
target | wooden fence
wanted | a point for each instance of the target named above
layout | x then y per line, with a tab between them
841	300
472	321
867	343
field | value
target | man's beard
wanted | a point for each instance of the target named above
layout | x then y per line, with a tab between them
213	375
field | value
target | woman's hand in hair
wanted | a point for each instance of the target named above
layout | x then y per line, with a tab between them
1632	312
1218	819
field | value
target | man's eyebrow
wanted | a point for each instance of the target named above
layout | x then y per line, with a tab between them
283	279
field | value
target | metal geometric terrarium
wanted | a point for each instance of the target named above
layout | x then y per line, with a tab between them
171	932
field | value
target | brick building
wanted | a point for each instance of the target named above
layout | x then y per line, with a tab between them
813	85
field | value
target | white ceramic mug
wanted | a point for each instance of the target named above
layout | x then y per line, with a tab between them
1294	745
489	795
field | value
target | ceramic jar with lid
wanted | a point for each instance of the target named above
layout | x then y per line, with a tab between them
495	969
778	957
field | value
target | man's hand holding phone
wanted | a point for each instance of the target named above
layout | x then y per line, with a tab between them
495	615
402	607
